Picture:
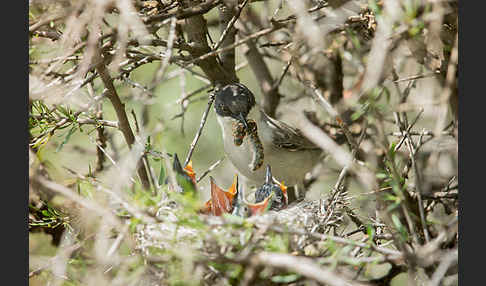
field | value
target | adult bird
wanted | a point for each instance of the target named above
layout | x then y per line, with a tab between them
290	154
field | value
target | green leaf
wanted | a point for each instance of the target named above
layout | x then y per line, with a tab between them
387	93
277	243
66	112
161	174
41	141
370	231
46	213
398	224
381	176
285	278
374	7
66	139
133	224
357	114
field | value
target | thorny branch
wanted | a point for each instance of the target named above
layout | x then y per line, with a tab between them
350	56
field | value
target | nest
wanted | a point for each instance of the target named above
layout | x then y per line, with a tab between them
298	222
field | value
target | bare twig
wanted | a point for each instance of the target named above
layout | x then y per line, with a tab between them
101	140
284	72
303	266
196	30
449	88
159	75
184	13
229	26
418	183
405	134
184	103
235	44
199	131
441	270
110	158
72	196
344	171
414	77
40	23
341	156
118	240
271	96
132	209
209	169
192	93
227	18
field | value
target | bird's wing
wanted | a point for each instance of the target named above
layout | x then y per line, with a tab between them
286	136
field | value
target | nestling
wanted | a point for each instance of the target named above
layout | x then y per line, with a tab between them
279	200
243	208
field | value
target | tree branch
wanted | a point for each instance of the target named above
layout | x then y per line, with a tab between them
271	96
196	30
227	18
123	123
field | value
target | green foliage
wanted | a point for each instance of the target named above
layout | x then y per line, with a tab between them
375	7
48	217
234	271
287	278
67	137
370	231
160	231
277	243
400	227
145	199
162	174
373	103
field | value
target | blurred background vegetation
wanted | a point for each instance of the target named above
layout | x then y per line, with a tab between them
96	226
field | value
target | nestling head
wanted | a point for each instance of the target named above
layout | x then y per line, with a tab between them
240	207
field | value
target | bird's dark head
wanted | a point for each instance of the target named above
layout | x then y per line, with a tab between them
234	100
279	200
240	206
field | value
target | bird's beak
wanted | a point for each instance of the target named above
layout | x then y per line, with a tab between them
261	207
234	187
242	119
268	175
177	165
